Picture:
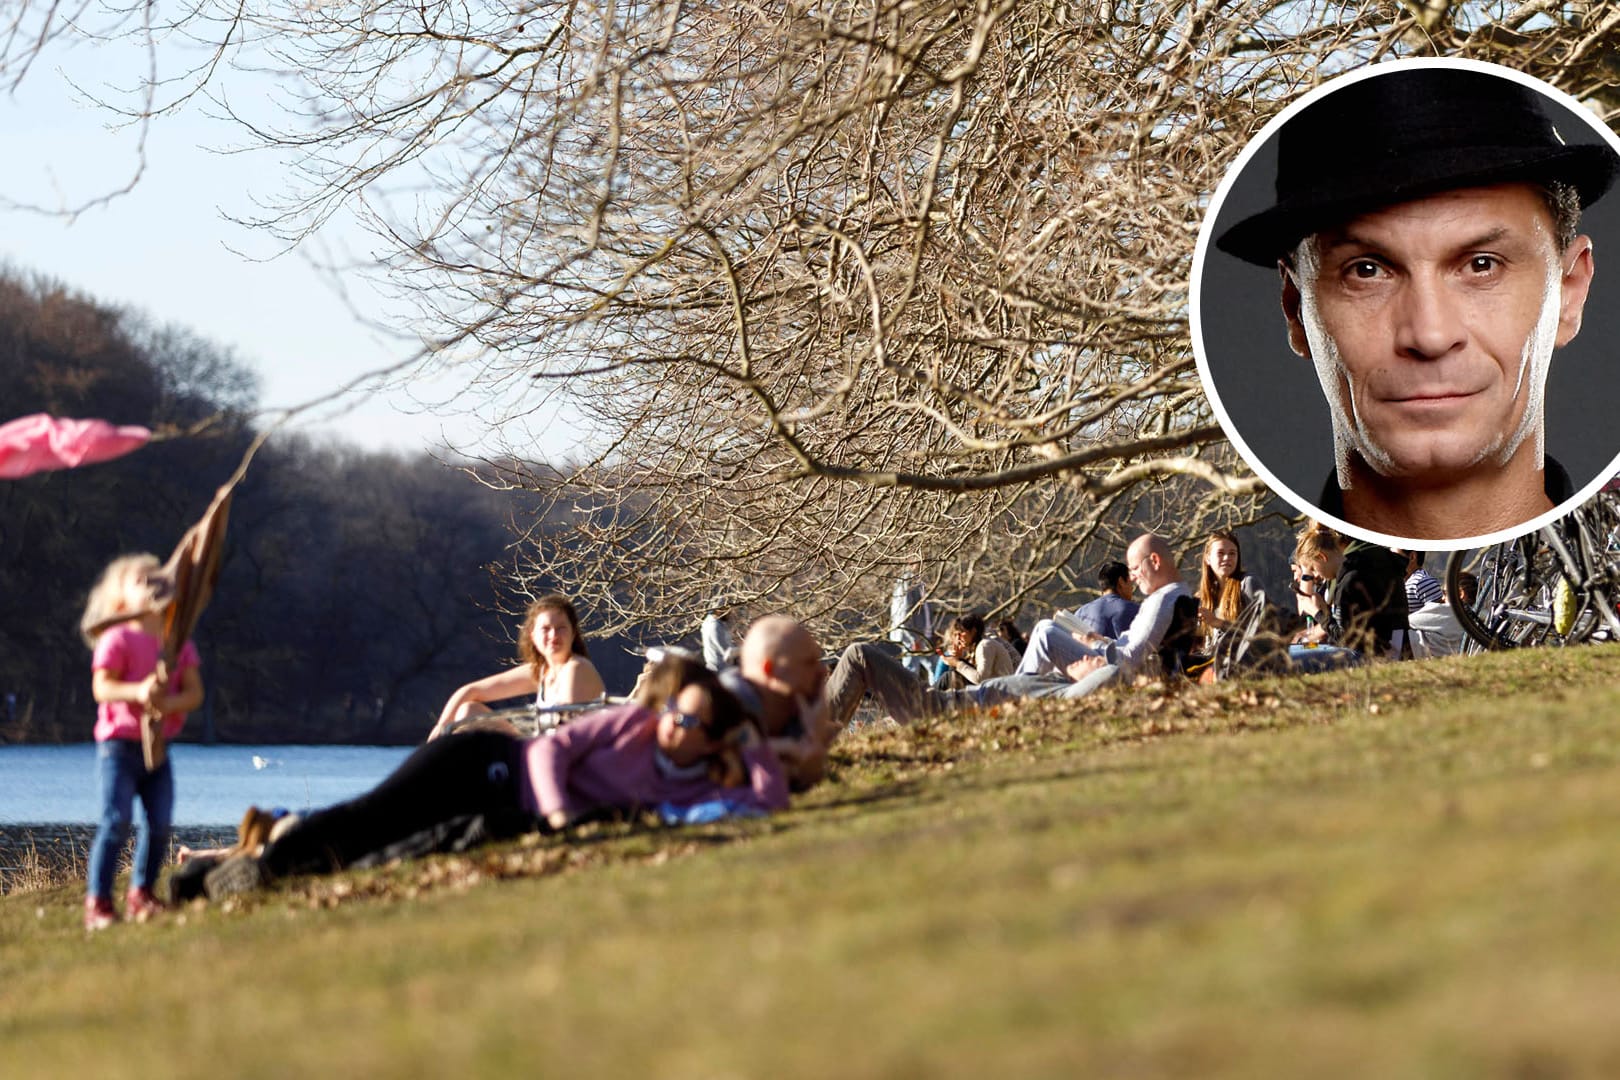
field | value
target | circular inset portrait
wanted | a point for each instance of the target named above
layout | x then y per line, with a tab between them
1398	310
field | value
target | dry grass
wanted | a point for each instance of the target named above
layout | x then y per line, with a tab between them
29	863
35	871
1397	872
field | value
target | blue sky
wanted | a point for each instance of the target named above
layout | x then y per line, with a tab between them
170	250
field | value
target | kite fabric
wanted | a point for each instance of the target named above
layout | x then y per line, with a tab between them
40	442
193	569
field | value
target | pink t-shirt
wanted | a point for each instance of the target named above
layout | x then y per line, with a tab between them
130	654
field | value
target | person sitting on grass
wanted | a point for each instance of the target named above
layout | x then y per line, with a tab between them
696	749
1060	664
1053	645
1114	608
1434	626
1224	589
969	657
554	666
1353	600
1008	631
1422	587
1165	622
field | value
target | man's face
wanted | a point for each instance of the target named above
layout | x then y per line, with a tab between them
798	668
1431	324
1141	567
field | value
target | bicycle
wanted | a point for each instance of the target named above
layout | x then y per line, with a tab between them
1556	585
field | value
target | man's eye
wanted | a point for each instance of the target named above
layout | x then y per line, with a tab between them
1483	264
1364	269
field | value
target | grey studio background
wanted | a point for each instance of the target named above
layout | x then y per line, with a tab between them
1272	397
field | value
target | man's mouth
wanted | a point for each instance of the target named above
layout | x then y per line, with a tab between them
1437	398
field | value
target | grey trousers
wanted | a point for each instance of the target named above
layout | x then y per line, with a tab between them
868	669
864	669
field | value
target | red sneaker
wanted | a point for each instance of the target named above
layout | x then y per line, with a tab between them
140	905
98	913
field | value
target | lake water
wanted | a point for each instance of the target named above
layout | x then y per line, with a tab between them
213	785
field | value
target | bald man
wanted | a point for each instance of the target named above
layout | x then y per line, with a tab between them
1058	664
779	679
1052	667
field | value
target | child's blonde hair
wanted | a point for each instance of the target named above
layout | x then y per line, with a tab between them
107	595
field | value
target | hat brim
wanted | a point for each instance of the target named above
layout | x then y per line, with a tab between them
1266	238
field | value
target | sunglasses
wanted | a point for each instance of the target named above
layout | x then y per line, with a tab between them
687	720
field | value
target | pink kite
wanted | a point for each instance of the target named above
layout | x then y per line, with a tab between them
31	444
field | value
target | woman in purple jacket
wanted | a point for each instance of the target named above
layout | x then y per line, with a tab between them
697	748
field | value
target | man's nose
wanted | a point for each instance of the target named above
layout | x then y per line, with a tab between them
1428	320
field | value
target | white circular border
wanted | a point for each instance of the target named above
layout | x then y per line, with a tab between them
1195	304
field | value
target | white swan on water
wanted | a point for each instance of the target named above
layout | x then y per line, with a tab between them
263	762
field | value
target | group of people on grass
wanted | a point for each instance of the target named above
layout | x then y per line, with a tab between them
690	742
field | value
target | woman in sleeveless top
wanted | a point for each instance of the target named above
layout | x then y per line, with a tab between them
554	667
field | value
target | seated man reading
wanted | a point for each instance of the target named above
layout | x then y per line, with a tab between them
1167	620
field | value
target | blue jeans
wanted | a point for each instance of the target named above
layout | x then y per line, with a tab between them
1055	685
121	774
1315	658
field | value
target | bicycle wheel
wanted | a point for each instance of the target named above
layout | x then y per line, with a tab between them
1514	604
1596	546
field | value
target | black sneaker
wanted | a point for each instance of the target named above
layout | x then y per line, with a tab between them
185	882
237	874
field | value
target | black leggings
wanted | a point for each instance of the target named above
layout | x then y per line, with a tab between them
479	772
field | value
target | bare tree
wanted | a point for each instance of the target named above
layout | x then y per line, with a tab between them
838	286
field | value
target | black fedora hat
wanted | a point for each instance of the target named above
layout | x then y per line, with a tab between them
1404	134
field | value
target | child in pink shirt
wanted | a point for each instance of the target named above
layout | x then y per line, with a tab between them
122	624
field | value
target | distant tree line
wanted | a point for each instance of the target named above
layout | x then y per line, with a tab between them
358	588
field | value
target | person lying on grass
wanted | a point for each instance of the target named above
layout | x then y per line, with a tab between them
697	749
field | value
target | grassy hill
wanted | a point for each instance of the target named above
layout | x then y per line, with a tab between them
1405	871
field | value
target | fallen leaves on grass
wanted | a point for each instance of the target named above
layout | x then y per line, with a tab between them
878	755
530	856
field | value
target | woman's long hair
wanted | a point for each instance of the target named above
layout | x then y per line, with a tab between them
1223	596
527	653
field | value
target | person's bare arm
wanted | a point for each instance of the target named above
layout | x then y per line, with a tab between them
187	699
107	688
513	682
805	758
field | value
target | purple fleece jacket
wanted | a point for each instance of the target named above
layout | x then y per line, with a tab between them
606	759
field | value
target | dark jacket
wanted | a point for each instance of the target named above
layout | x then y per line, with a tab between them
1368	601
